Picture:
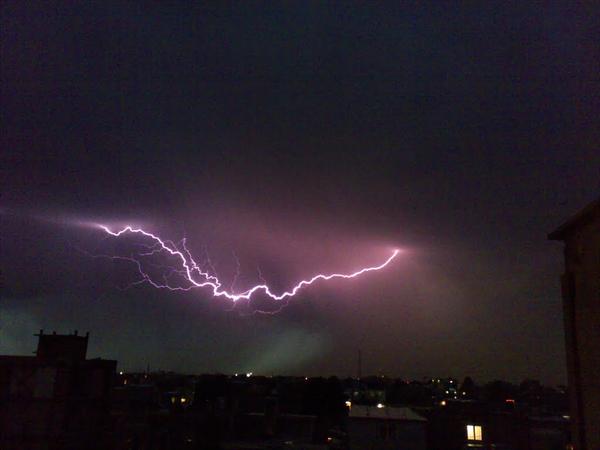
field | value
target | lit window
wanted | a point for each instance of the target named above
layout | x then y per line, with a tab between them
474	433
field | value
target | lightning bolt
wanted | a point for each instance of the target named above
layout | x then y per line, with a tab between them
196	277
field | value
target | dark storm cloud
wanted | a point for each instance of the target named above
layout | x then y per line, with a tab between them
303	137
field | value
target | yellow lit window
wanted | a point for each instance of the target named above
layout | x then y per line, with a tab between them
474	433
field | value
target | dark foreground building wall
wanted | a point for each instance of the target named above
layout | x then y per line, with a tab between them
581	302
375	428
56	399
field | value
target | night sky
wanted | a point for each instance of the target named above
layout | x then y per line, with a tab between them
304	137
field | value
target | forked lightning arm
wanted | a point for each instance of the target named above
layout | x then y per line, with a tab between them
197	278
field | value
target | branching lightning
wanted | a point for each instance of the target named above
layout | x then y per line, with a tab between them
193	275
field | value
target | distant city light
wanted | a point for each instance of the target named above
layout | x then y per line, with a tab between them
121	372
348	403
183	400
249	374
380	405
443	403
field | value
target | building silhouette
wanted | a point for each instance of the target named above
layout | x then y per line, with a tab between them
56	399
581	305
383	427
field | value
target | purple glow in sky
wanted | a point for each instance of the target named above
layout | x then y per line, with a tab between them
311	139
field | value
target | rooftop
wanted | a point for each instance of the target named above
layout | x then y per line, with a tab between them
386	412
586	214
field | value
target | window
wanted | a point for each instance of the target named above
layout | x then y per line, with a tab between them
386	430
392	431
474	433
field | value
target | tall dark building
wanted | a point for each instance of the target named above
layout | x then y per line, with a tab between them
56	399
581	302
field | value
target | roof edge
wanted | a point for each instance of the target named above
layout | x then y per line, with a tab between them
584	214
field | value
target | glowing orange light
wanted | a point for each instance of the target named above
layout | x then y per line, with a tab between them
474	433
